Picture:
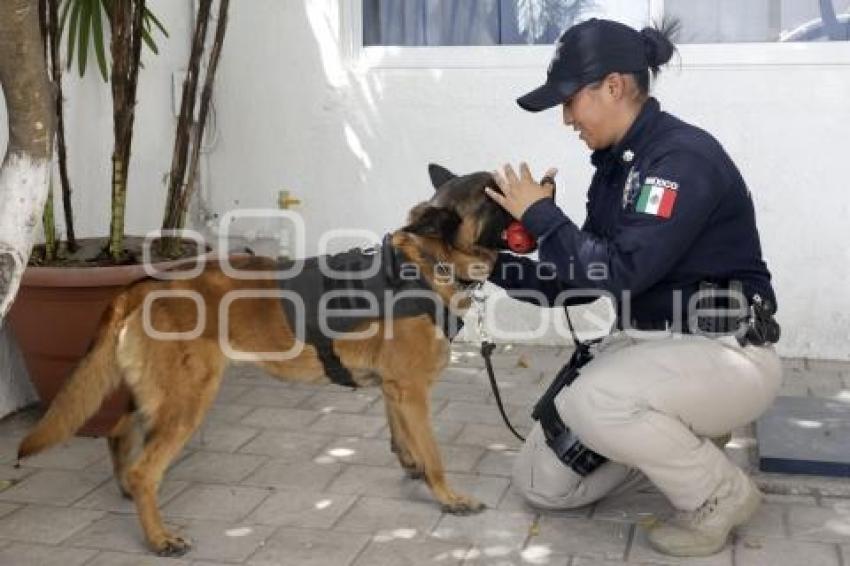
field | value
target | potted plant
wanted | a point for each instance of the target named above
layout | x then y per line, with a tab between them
68	284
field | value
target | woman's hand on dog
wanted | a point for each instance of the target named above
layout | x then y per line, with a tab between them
520	192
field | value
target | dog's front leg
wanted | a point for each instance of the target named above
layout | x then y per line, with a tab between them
398	441
409	401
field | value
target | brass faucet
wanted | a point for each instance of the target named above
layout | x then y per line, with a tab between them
285	200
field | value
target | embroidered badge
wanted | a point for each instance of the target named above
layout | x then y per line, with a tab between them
657	197
631	188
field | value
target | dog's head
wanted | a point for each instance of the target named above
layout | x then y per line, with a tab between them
460	214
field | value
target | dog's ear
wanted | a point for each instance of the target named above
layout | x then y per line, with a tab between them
435	222
439	175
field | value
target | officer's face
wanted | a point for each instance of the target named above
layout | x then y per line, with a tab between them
592	111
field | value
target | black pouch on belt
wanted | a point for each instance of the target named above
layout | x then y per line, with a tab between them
566	446
725	310
762	328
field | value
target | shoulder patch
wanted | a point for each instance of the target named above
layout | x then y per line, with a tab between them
657	197
659	182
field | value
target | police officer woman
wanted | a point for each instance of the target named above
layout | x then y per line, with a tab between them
668	216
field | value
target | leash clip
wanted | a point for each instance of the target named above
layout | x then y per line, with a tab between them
479	301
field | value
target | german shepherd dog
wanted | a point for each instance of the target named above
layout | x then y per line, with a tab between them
173	382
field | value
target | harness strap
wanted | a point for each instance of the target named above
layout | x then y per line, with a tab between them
331	363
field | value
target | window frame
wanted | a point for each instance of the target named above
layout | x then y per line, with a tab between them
693	55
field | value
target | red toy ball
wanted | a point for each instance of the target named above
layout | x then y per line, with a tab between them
519	240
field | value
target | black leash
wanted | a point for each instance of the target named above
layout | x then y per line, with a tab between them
487	348
580	356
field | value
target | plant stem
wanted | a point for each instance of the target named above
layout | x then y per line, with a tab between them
126	24
206	96
54	37
182	139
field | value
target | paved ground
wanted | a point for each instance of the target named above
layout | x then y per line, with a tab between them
285	474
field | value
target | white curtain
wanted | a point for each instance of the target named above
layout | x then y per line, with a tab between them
468	22
724	21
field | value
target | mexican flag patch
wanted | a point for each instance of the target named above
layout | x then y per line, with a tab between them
657	197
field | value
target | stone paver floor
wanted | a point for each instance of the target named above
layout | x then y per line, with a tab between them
303	475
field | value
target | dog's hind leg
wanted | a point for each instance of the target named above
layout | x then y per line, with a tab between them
173	427
122	439
164	441
170	422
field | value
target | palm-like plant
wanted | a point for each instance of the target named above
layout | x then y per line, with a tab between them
86	27
130	24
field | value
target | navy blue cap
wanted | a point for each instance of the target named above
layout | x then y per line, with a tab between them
585	53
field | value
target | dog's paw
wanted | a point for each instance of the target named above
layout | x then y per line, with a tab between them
172	546
463	505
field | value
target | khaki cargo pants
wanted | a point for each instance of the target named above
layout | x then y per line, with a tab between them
649	401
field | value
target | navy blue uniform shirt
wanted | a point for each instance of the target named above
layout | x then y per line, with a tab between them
667	209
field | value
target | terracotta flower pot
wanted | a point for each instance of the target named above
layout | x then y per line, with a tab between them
54	318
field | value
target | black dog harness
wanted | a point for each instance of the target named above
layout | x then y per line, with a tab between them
341	291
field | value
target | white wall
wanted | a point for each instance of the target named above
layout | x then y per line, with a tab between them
294	113
353	143
88	131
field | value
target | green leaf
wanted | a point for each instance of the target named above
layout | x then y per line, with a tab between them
85	26
149	20
97	38
72	29
150	17
146	37
66	5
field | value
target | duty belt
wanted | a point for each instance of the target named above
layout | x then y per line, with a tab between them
723	310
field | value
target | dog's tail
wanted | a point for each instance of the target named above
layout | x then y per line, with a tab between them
95	377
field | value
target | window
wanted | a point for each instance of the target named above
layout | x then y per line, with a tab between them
486	22
745	21
513	22
462	33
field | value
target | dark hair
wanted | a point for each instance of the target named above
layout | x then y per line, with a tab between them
658	43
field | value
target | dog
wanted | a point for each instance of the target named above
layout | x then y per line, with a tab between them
173	382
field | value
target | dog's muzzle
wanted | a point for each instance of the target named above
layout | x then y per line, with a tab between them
518	239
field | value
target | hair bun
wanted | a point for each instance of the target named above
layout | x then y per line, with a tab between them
658	44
